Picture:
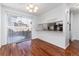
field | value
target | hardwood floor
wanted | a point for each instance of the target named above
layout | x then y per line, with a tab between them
20	49
39	48
42	48
73	49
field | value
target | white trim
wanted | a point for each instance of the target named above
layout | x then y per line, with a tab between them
66	46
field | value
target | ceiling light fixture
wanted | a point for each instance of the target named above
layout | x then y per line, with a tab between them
31	5
36	7
32	8
27	8
35	10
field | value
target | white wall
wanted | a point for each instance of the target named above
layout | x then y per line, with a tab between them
56	38
34	23
75	26
67	27
0	25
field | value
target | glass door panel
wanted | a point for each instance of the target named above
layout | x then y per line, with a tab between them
19	32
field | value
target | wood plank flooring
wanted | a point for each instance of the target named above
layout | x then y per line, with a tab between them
39	48
73	49
20	49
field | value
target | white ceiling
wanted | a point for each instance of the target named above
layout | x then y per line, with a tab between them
43	7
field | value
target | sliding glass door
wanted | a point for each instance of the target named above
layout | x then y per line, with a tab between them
19	33
19	29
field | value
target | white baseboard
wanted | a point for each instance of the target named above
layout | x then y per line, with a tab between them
0	46
66	46
63	47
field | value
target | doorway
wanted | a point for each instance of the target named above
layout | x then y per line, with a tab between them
74	24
